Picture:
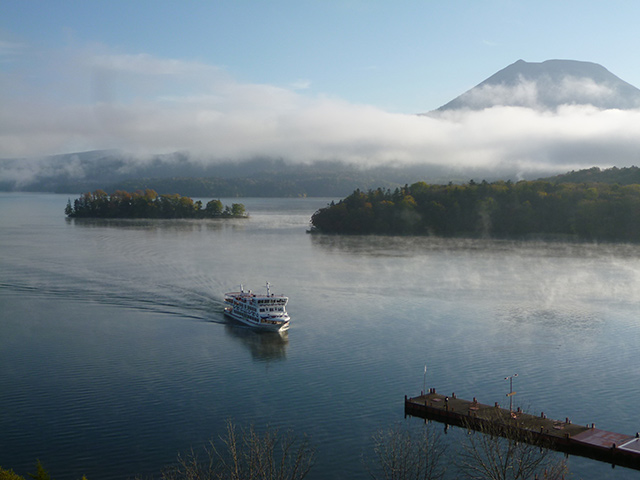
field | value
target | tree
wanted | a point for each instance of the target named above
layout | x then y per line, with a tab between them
214	208
491	453
248	455
41	473
399	455
237	209
122	204
9	475
185	208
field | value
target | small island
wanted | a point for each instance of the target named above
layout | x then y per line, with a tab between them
149	204
524	209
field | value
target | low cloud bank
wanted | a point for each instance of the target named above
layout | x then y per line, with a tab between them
546	93
146	105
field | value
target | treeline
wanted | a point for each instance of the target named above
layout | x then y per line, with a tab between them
212	186
149	204
276	179
266	185
595	211
621	176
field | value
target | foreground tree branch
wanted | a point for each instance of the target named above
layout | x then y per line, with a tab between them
400	455
496	452
248	455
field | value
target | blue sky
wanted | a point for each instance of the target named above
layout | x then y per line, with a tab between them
403	56
66	65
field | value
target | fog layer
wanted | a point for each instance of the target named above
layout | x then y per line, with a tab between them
92	99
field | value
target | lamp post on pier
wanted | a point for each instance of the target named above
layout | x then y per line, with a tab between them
424	381
511	392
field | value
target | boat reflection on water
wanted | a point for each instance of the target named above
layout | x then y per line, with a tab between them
264	346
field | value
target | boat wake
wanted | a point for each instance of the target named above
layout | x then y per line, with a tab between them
186	301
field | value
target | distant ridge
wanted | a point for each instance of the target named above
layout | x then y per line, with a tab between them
613	175
547	86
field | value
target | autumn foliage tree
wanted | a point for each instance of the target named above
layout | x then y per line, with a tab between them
593	211
149	204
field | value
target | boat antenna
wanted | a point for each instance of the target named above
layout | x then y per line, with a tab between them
268	289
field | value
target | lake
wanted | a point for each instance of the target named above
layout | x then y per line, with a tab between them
115	356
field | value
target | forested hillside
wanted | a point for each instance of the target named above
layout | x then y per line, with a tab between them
501	209
331	180
621	176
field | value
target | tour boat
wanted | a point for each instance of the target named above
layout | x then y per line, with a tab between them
264	312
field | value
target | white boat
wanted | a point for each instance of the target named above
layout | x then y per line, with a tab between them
264	312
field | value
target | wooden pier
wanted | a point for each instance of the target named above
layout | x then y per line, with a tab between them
561	435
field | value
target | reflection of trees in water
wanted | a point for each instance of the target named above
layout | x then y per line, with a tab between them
185	225
264	346
411	245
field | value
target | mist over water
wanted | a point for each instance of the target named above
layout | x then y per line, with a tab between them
115	356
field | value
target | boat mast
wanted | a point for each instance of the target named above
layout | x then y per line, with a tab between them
268	290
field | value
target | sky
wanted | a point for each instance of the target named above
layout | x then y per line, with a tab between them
306	80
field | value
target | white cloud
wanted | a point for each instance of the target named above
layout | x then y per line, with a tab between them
524	94
302	84
589	89
144	104
544	93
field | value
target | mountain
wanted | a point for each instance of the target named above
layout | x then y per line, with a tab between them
547	86
86	171
613	175
111	170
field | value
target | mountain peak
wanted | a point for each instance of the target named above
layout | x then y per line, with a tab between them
548	85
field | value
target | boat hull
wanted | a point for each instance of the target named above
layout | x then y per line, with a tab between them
268	326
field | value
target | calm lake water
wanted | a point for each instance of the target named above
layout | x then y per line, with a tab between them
115	356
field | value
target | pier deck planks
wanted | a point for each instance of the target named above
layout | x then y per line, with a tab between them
565	436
